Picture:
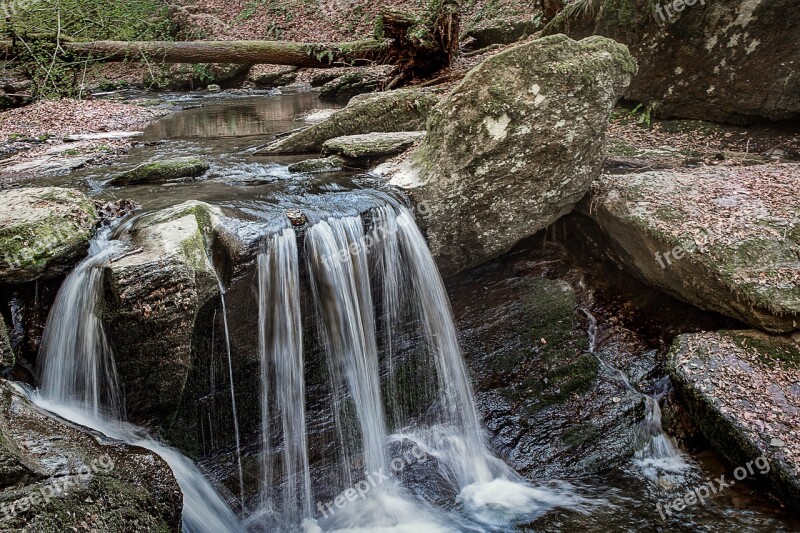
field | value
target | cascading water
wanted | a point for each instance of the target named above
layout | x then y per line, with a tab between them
656	454
281	348
79	383
339	252
77	364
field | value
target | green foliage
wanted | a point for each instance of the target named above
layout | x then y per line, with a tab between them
644	114
39	27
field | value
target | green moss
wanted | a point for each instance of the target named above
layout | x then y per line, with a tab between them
578	434
160	171
769	348
620	148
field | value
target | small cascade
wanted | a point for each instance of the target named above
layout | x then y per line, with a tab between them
656	453
79	383
281	348
77	365
234	411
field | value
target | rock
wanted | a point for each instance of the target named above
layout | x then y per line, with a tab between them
351	84
50	164
43	231
515	145
370	146
333	163
741	390
161	171
401	110
15	91
56	476
725	239
499	31
213	88
272	76
721	61
7	357
182	76
549	407
153	297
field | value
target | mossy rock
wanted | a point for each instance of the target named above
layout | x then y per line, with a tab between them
7	356
59	477
162	171
392	111
740	388
372	145
151	301
43	231
333	163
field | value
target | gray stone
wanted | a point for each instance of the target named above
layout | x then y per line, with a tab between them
401	110
515	145
42	231
372	145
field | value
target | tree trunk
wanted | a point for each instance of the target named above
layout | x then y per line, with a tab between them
320	55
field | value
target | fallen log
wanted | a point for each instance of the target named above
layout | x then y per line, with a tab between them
417	44
310	55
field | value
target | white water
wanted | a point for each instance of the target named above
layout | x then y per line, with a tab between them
656	454
79	383
281	348
77	365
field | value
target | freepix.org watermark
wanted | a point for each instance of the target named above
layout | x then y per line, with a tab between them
670	10
700	494
360	490
58	487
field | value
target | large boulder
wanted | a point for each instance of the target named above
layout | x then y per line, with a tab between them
515	145
153	296
43	231
741	390
57	476
725	239
723	61
401	110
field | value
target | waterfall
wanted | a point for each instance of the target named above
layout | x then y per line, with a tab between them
281	348
338	266
77	365
79	383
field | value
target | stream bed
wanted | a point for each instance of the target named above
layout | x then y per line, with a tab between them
593	457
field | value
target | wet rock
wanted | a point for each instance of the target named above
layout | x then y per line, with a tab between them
401	110
515	145
58	477
161	171
725	239
42	231
327	164
351	84
740	388
7	357
213	88
297	218
721	61
550	409
152	298
371	146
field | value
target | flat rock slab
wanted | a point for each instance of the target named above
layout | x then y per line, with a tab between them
325	164
42	231
372	145
741	388
162	171
401	110
724	238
